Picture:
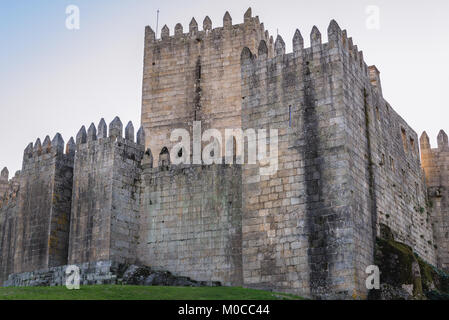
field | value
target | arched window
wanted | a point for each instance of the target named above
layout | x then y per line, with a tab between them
164	157
148	158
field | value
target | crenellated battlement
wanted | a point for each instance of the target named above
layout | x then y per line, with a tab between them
47	150
435	162
338	44
109	138
195	76
9	188
103	135
194	34
442	142
107	169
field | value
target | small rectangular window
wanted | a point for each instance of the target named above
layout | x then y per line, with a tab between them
289	116
404	139
412	143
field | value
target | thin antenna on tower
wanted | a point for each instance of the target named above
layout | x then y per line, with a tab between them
157	22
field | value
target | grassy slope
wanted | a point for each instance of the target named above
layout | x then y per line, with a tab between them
118	292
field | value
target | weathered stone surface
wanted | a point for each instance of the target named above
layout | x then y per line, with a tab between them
105	205
138	275
191	222
104	272
195	76
36	212
405	275
435	162
347	164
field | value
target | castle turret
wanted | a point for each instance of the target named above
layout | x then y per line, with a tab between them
106	194
435	162
44	203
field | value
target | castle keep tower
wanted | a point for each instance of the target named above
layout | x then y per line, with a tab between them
436	167
195	76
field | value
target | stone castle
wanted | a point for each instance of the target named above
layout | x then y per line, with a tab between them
347	164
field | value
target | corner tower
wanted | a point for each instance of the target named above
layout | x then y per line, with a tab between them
435	162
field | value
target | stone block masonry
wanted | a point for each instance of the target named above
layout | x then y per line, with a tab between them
195	76
4	181
300	229
8	216
191	222
36	215
102	272
347	163
106	193
436	167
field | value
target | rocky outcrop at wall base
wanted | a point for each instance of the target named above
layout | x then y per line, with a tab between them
135	275
100	272
404	275
103	272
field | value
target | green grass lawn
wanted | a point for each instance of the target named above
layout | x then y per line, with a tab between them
122	292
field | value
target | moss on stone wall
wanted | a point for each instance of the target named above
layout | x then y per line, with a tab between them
405	275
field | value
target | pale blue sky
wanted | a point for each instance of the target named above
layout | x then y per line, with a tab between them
56	80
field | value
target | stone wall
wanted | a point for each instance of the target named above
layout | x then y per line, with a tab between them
8	218
436	167
42	215
195	76
298	225
347	162
105	203
386	182
8	215
191	222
